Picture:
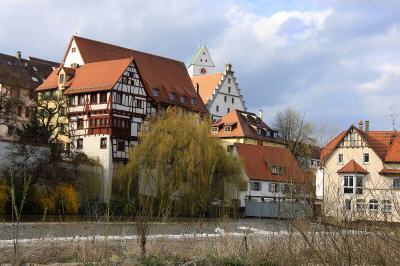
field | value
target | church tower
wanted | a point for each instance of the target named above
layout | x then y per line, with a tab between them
202	63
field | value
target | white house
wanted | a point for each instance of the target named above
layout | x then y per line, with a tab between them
219	91
361	175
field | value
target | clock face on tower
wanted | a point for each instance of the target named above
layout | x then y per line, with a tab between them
203	71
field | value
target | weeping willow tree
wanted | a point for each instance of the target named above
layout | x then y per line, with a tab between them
178	168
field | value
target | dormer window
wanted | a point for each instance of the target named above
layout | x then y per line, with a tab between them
227	128
172	96
182	99
194	101
73	50
277	170
214	129
259	131
61	78
155	92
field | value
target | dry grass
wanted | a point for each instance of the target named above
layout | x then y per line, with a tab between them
306	246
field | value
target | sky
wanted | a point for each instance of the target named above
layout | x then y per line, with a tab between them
336	62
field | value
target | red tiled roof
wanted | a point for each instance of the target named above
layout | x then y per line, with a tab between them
386	171
380	142
246	124
97	76
258	160
352	167
207	84
165	74
51	82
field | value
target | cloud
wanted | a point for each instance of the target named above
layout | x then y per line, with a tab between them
335	61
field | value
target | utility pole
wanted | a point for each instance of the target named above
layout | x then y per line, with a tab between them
393	116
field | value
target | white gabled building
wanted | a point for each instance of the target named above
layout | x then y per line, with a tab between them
219	91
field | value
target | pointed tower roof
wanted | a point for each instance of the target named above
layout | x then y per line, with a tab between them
202	57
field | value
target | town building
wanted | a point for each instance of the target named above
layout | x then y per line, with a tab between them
219	91
111	93
244	127
18	79
271	174
360	175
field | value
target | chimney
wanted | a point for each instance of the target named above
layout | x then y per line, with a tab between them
260	114
228	67
361	125
18	55
366	126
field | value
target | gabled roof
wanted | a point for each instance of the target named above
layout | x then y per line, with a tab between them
246	127
202	49
97	76
165	74
207	85
23	73
258	161
393	154
379	141
352	167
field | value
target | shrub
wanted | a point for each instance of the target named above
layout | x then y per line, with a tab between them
46	200
3	196
68	198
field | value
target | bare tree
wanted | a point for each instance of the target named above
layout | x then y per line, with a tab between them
296	131
9	82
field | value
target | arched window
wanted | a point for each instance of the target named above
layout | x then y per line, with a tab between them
373	205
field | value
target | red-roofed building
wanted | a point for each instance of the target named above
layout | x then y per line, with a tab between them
270	172
360	174
219	91
111	91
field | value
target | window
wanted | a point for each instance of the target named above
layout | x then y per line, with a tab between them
194	101
27	112
347	205
155	92
229	81
61	78
217	108
172	96
19	110
71	100
35	79
79	144
81	99
278	170
366	157
273	187
121	145
93	98
214	129
233	100
348	185
340	158
73	50
35	69
387	206
63	111
227	128
228	110
373	205
10	130
229	89
103	97
229	148
138	103
360	205
182	99
359	184
225	98
118	98
396	183
125	80
255	186
103	143
79	123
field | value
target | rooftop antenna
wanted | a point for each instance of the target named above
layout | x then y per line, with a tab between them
393	115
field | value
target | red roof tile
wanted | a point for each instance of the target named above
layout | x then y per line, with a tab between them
207	84
352	167
165	74
386	171
382	142
258	160
51	82
244	124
